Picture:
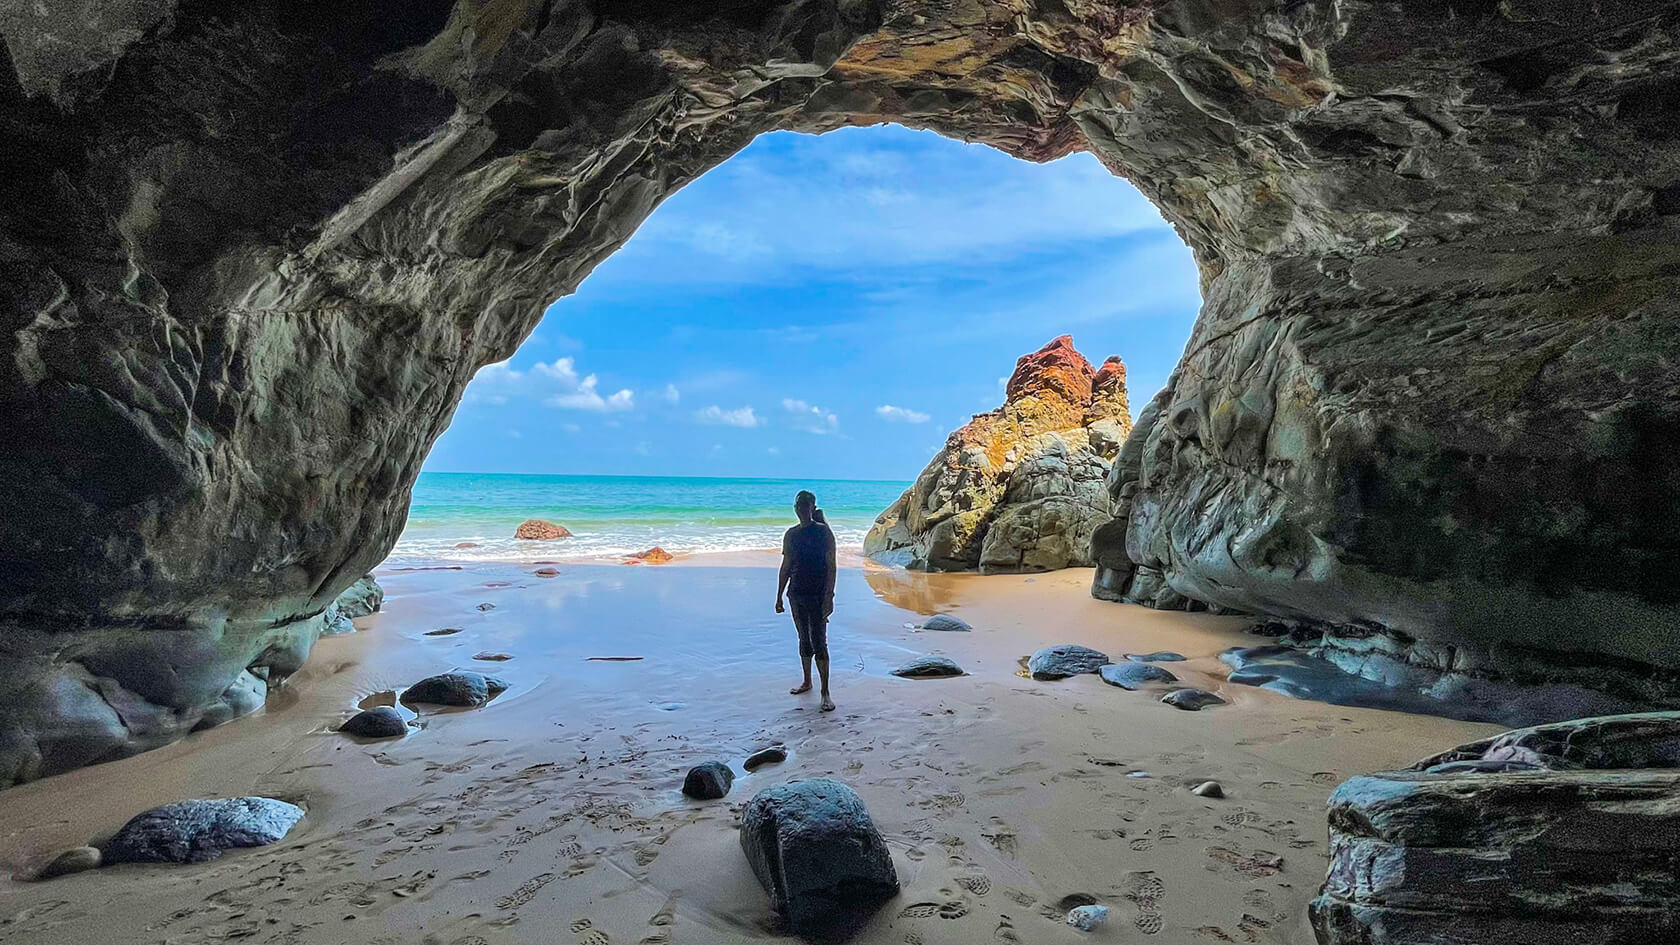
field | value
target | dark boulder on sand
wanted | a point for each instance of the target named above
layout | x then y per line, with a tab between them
1160	656
708	781
774	755
1060	662
928	667
1191	700
816	851
457	688
195	831
945	622
378	722
1134	675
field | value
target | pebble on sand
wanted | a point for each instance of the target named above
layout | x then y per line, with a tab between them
928	667
443	631
708	781
73	860
547	572
1134	675
489	656
769	756
1191	700
378	722
1087	918
1208	789
1162	656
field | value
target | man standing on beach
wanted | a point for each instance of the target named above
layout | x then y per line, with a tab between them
807	578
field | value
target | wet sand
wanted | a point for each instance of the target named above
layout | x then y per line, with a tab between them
553	815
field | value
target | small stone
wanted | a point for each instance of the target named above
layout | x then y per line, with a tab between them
547	572
945	622
1208	789
73	860
708	781
654	555
1134	675
489	656
443	631
466	544
769	756
536	529
379	722
1191	700
928	667
1059	662
457	688
1163	656
1139	775
486	606
1087	918
199	830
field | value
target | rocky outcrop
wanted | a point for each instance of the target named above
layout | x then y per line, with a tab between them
196	831
1019	488
1556	834
251	254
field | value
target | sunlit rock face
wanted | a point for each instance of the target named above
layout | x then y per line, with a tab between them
1022	487
250	255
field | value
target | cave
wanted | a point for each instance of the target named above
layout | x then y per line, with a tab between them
251	254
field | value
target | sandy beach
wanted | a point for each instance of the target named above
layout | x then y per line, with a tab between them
553	815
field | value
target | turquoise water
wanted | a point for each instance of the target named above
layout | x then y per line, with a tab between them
615	515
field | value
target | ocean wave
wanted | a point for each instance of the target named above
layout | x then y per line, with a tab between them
617	543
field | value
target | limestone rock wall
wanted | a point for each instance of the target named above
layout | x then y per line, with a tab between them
250	254
1021	488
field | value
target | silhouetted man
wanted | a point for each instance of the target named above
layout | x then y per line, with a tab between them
807	578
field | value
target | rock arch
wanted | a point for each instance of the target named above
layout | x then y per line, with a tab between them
251	253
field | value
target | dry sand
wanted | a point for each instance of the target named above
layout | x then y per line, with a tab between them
553	815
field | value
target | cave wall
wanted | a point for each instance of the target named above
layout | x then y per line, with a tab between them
252	252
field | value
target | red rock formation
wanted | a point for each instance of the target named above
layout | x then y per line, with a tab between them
654	555
536	529
1055	369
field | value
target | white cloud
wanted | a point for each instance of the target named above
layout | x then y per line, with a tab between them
671	394
557	383
810	418
901	414
739	417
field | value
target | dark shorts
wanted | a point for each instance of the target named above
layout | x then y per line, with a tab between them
812	625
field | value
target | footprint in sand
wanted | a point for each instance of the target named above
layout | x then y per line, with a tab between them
1005	931
1021	898
661	922
925	910
1142	844
1002	836
525	893
1259	864
1325	777
1271	785
588	934
1148	922
978	885
1145	888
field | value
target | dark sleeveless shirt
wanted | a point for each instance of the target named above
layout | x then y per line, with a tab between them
808	549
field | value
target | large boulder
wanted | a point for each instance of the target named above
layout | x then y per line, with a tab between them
361	598
1064	660
194	831
816	851
1021	488
1561	834
536	529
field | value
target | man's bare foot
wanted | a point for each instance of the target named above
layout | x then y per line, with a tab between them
827	704
802	687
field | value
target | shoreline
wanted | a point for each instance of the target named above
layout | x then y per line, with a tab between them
558	804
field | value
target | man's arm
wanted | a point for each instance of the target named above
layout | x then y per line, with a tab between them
833	572
782	577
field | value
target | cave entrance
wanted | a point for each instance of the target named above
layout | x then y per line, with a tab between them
822	307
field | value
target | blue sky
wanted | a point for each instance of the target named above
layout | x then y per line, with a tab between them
830	307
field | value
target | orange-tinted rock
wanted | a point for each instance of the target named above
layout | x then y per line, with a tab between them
1019	488
1053	370
536	529
466	544
654	555
547	572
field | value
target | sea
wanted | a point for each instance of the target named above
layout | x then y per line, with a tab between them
611	516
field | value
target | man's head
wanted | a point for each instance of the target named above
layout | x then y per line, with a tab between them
804	504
